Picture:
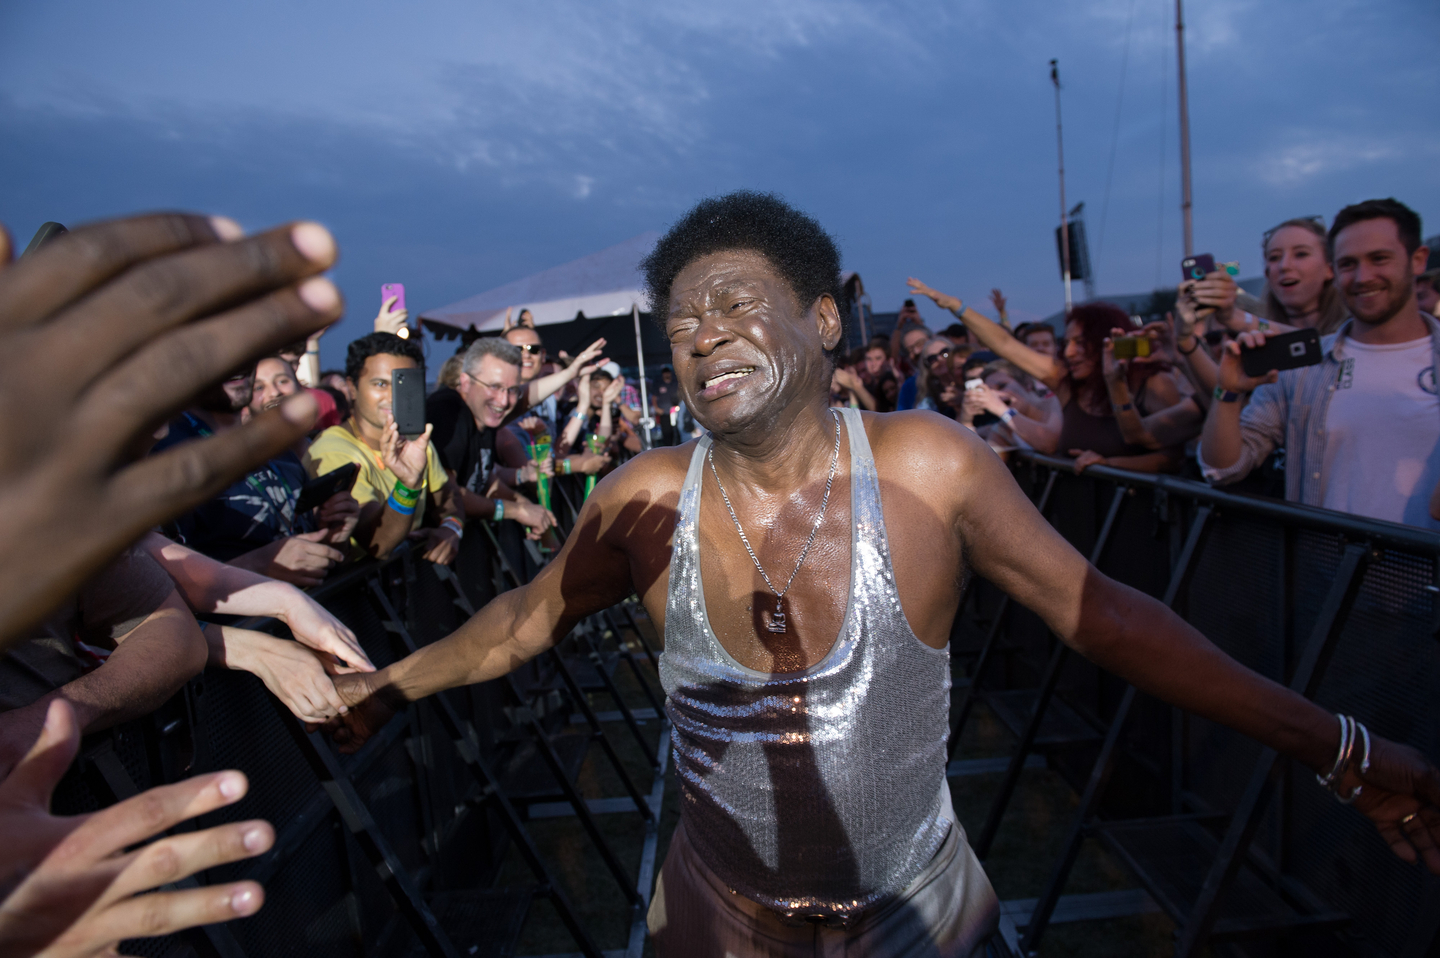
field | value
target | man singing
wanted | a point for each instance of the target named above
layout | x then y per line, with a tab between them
805	566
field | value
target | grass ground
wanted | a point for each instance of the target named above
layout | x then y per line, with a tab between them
1026	845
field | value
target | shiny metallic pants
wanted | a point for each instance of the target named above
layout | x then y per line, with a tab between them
947	912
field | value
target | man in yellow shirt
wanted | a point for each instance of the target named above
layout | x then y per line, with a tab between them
397	476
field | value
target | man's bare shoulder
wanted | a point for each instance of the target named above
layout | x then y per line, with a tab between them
922	444
637	503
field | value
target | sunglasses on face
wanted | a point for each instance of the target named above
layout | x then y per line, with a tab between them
530	349
942	354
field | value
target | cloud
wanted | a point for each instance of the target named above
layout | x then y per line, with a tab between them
1312	155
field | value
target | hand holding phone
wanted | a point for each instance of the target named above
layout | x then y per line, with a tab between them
393	315
1290	350
318	491
1131	347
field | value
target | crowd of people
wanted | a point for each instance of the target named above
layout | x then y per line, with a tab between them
188	495
1357	430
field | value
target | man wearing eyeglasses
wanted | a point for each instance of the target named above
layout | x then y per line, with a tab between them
465	421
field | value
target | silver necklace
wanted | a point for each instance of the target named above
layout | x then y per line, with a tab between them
776	621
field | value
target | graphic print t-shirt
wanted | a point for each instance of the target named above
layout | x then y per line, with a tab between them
252	512
1382	434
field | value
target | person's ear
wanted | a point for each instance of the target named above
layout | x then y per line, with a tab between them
1419	258
827	322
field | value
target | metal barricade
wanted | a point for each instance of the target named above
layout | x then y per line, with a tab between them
1232	843
392	851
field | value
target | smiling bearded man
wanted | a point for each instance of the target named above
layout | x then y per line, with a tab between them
804	566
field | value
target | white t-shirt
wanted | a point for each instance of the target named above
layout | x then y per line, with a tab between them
1382	443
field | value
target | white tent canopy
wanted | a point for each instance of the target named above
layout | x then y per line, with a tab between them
606	283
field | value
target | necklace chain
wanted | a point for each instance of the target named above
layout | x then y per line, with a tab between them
824	503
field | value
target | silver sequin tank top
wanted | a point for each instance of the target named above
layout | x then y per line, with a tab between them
818	792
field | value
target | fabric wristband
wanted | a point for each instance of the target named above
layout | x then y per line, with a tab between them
404	491
1224	395
454	525
1125	407
1008	416
565	467
499	509
404	508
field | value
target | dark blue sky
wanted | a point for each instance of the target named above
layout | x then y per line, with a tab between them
457	146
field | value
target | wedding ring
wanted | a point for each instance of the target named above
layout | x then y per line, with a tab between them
1406	819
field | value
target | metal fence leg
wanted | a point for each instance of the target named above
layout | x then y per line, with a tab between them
1105	761
367	834
467	744
1058	658
597	659
598	732
982	662
1246	820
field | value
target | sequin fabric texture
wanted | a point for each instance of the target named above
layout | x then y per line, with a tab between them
819	792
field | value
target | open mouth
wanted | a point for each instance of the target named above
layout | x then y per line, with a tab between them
726	382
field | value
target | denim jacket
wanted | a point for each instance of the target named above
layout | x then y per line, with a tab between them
1290	414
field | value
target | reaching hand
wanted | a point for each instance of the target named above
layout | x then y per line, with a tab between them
612	391
1216	294
1162	341
1401	795
315	628
1085	458
991	400
589	359
338	516
407	458
529	514
293	674
302	560
165	306
440	546
998	298
1232	373
72	890
1114	370
390	320
369	708
589	463
943	300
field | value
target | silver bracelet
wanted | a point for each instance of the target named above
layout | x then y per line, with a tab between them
1351	732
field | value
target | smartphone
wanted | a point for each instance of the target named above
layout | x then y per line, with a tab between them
46	233
407	400
393	289
1197	267
1131	347
1285	351
318	490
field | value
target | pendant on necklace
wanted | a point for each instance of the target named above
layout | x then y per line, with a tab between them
775	621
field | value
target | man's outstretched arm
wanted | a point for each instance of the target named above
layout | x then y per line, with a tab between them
589	574
1141	640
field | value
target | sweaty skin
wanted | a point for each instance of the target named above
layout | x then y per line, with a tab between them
950	506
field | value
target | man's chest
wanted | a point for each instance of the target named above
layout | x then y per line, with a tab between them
1384	399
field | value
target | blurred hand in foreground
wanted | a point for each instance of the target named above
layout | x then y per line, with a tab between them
73	890
165	305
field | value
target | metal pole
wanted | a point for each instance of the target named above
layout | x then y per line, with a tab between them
1064	220
1184	130
646	420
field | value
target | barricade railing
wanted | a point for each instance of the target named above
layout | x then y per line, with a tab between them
1228	839
394	850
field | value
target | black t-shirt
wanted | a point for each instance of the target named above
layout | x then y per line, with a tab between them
465	448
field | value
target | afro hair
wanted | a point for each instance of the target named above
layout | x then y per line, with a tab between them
797	246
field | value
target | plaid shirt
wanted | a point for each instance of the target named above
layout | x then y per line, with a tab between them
1290	414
